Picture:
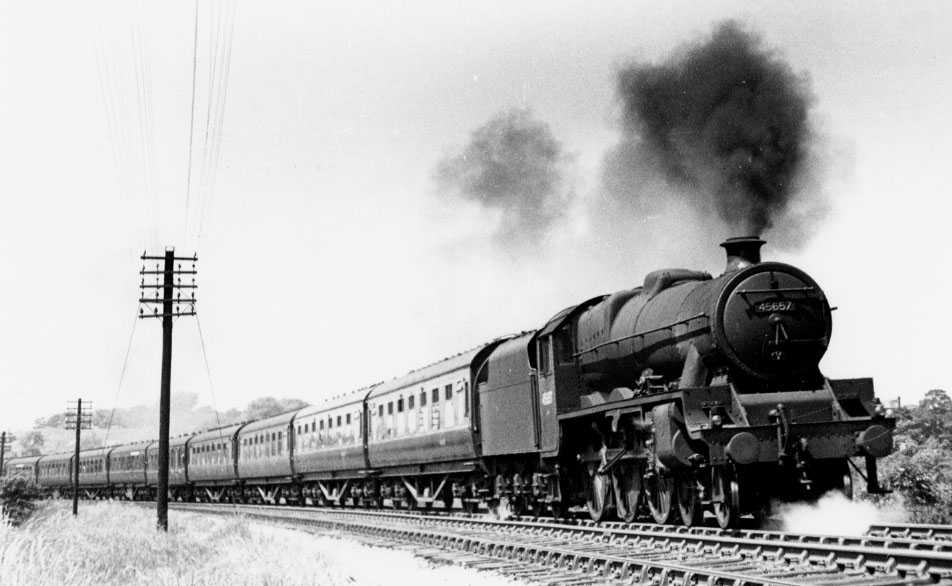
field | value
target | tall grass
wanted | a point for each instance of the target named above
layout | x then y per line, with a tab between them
117	544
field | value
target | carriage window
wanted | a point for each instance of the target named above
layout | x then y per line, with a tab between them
436	395
422	398
449	392
410	402
348	419
381	410
466	399
338	421
400	405
390	408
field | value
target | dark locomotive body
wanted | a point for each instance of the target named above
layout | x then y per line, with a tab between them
694	393
691	393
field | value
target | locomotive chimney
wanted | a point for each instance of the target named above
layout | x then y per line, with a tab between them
742	251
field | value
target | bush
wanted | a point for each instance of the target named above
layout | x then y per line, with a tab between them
920	470
18	499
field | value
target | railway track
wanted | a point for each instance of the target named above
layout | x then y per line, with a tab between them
579	553
922	532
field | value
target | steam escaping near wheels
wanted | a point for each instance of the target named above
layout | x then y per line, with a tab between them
835	514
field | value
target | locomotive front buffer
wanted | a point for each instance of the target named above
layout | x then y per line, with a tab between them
795	439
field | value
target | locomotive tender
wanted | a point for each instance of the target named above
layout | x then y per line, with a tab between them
689	394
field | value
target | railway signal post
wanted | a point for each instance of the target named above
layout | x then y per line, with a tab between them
5	440
78	420
171	301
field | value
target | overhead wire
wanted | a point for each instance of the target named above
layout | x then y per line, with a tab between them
124	73
214	27
191	122
109	108
211	389
150	126
122	376
144	119
218	92
208	370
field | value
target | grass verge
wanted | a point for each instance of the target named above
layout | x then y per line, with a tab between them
113	544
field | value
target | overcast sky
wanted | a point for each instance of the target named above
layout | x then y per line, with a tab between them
328	257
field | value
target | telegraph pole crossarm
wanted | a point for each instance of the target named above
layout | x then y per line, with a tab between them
172	306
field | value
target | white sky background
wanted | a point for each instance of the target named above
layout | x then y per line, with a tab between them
327	260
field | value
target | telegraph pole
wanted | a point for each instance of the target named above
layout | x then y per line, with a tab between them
5	439
76	419
171	307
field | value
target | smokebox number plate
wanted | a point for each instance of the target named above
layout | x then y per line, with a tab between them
775	306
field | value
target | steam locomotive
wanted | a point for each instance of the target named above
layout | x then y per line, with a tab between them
690	394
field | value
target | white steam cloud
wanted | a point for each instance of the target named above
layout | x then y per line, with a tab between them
834	514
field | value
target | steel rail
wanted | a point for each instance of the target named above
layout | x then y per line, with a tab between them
913	531
761	559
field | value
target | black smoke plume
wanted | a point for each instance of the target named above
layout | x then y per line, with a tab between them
726	120
515	165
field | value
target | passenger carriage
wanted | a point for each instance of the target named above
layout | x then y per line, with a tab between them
212	466
23	467
94	473
127	471
422	446
178	470
55	472
264	459
329	455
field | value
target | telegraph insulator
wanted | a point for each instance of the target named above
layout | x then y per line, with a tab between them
155	311
141	311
